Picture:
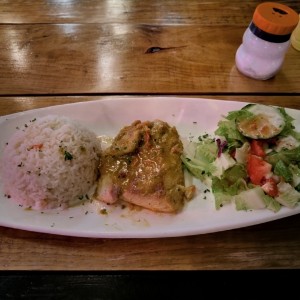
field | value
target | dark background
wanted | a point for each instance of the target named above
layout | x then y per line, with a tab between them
256	284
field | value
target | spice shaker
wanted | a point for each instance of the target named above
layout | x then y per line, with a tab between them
295	38
266	40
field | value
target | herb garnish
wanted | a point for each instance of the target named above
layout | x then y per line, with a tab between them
103	211
68	155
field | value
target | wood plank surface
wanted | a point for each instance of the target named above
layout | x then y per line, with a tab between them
65	51
10	105
274	245
77	59
215	13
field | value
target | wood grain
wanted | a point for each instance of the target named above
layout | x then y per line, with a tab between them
58	52
77	59
215	13
274	245
10	105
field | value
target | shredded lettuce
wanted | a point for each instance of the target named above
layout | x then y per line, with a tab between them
288	196
198	158
211	160
289	128
295	170
288	156
231	183
255	198
281	169
227	129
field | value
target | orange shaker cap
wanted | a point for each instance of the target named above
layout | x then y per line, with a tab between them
275	18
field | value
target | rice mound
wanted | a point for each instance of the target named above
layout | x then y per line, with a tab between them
52	163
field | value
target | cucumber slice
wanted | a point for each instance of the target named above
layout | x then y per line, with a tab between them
264	122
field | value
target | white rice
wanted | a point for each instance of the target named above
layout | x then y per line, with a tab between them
52	163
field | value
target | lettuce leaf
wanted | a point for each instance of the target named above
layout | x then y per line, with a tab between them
287	156
231	183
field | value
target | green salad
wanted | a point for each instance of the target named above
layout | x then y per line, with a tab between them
252	160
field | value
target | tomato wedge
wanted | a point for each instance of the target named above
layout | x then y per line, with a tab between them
257	169
270	187
257	148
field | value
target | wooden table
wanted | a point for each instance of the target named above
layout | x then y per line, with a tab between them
56	52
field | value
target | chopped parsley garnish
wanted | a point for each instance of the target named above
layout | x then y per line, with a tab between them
68	155
103	211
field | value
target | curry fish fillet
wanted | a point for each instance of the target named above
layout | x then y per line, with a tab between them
143	167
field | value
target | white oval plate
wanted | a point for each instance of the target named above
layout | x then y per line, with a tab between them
192	117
